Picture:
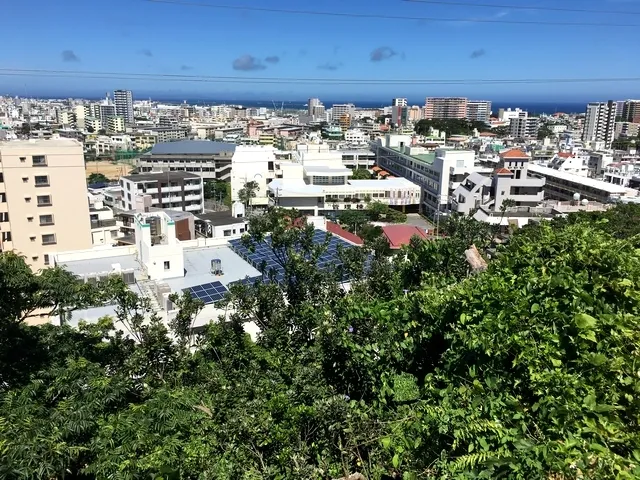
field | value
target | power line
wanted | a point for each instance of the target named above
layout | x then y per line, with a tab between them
300	80
390	17
519	7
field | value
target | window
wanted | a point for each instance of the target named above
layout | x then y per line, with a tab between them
25	179
46	259
29	219
35	259
227	233
4	217
23	159
27	199
42	181
39	161
167	265
33	239
44	200
46	220
49	239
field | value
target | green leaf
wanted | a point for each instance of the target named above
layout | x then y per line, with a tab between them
417	443
584	321
598	359
556	362
386	442
590	401
535	307
396	461
590	335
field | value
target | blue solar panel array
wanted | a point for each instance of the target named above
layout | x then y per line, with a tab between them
208	292
264	254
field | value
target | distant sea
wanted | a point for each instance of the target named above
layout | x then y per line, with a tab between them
531	107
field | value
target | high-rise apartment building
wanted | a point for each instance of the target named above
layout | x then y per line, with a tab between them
312	103
631	111
123	100
443	108
524	127
399	102
338	111
399	115
479	110
600	122
43	199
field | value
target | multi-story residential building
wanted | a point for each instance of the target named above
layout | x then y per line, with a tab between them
82	112
524	127
105	111
43	199
92	124
597	162
599	123
445	108
627	129
439	172
210	160
115	125
104	229
66	119
415	113
509	181
356	136
505	115
312	104
631	111
339	111
123	100
399	102
167	190
168	134
399	115
479	111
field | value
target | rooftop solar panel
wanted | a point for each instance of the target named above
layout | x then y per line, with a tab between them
208	292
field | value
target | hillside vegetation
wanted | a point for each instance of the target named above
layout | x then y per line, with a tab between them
528	370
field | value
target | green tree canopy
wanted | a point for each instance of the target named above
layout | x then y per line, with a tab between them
418	370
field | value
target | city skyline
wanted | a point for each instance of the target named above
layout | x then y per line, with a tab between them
276	44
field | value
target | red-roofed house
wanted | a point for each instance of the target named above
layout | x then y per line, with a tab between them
513	154
565	155
400	235
337	230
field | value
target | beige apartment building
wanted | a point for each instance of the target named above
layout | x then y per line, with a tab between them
43	199
445	108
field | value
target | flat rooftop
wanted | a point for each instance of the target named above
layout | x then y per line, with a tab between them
192	147
427	158
101	266
587	182
220	218
40	142
154	176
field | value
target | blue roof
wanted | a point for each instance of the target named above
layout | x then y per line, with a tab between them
198	147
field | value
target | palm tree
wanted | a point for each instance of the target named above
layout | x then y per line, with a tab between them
247	193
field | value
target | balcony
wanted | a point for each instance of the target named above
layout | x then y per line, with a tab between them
192	198
103	223
189	187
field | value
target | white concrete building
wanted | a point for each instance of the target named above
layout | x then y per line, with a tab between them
439	172
505	115
563	186
104	230
399	102
599	123
598	161
341	109
479	110
356	136
510	181
524	127
165	190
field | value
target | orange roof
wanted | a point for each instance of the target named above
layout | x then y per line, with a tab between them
503	171
383	173
376	169
514	153
399	235
487	134
565	155
336	229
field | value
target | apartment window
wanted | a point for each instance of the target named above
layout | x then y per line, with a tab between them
49	239
1	177
46	220
42	180
27	199
44	200
23	159
46	259
167	265
227	233
25	179
6	236
39	161
33	239
35	259
4	217
30	219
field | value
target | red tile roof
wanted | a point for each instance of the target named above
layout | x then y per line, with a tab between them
514	153
336	229
487	134
399	235
503	171
565	155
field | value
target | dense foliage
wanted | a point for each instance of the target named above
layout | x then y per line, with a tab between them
453	126
528	370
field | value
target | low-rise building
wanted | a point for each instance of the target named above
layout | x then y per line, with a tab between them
165	190
104	229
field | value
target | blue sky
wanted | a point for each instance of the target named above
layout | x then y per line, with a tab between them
135	36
